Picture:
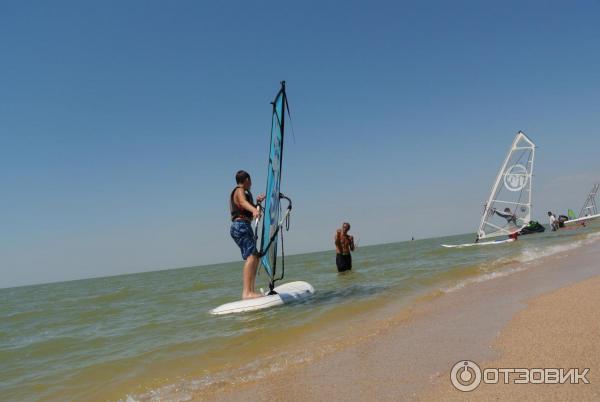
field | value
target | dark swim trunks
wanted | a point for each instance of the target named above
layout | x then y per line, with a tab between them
241	232
343	262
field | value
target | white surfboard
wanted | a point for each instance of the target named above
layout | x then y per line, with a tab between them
481	243
582	221
286	293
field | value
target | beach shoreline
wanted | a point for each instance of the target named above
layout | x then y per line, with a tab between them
408	354
559	330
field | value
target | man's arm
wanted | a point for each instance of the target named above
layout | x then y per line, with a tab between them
502	214
240	199
337	240
351	240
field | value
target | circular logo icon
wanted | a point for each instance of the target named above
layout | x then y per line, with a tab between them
515	178
465	375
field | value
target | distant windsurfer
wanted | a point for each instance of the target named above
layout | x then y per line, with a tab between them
511	218
243	210
507	214
344	244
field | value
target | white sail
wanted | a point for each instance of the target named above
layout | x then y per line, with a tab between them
590	208
589	211
508	208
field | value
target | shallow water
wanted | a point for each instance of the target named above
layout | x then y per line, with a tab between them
149	336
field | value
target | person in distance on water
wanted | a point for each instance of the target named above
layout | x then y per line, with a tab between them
553	221
507	214
510	217
344	243
243	210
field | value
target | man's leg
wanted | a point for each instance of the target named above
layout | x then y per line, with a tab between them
249	277
255	269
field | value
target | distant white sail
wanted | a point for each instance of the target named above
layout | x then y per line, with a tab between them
590	208
508	209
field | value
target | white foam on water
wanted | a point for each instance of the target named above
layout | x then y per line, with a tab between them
483	278
186	390
529	257
534	254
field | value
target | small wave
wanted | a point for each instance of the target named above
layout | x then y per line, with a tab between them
593	236
197	286
25	316
94	315
483	278
45	347
533	254
120	294
525	259
347	293
189	389
530	255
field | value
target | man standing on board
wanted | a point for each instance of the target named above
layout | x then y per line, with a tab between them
243	211
344	243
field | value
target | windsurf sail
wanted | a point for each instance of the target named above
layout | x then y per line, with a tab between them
590	208
508	208
273	220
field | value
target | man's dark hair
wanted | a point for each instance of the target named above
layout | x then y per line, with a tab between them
241	176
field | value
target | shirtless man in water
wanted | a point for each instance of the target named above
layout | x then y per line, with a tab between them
344	243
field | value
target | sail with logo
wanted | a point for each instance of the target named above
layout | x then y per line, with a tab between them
508	208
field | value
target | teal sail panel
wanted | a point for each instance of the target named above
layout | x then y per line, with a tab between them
272	202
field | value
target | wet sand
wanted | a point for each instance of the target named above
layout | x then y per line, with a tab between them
534	317
560	329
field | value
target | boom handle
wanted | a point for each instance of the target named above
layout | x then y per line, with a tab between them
281	195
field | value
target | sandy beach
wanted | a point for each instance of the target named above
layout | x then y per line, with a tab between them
539	315
560	329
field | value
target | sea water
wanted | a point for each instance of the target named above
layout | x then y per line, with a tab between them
150	336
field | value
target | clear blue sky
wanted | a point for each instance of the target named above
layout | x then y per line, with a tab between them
122	123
